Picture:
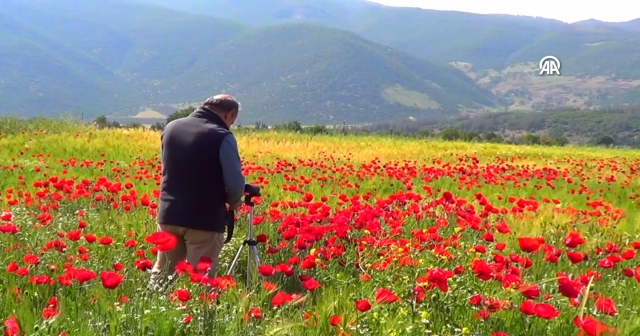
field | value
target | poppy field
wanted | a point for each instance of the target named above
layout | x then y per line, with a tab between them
358	235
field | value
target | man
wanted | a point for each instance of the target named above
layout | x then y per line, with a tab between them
201	174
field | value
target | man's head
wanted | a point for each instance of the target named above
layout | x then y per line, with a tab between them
225	106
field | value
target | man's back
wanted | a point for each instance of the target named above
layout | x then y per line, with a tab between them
192	190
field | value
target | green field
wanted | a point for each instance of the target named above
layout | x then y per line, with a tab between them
367	236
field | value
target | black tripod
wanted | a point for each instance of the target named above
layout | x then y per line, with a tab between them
253	254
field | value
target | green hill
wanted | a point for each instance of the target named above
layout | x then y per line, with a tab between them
588	50
500	52
40	74
334	13
322	75
129	56
95	57
286	59
486	41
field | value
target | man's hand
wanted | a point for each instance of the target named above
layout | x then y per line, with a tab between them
252	190
235	206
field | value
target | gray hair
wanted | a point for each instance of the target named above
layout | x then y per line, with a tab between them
222	103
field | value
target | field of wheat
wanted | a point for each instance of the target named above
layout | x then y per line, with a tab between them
359	235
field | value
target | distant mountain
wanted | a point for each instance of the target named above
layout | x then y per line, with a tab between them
486	41
599	61
633	24
335	13
93	56
40	74
117	56
322	75
501	52
315	61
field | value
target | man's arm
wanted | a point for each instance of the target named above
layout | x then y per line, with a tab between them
232	171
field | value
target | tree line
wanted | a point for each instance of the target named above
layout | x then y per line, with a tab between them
604	127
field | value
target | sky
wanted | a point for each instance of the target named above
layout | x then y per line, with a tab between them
564	10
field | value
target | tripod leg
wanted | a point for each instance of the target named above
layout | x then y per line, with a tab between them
235	259
249	268
253	262
256	255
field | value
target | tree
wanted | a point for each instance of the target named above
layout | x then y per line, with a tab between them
423	134
292	126
317	129
157	127
260	125
134	125
531	139
469	136
450	134
101	122
491	137
561	140
546	140
605	140
180	114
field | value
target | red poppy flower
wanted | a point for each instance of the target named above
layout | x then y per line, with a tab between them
111	280
165	241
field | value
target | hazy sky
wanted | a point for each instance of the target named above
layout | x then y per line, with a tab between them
563	10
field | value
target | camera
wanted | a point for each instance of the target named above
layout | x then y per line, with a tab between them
252	190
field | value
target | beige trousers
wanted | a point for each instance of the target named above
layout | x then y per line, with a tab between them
192	245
